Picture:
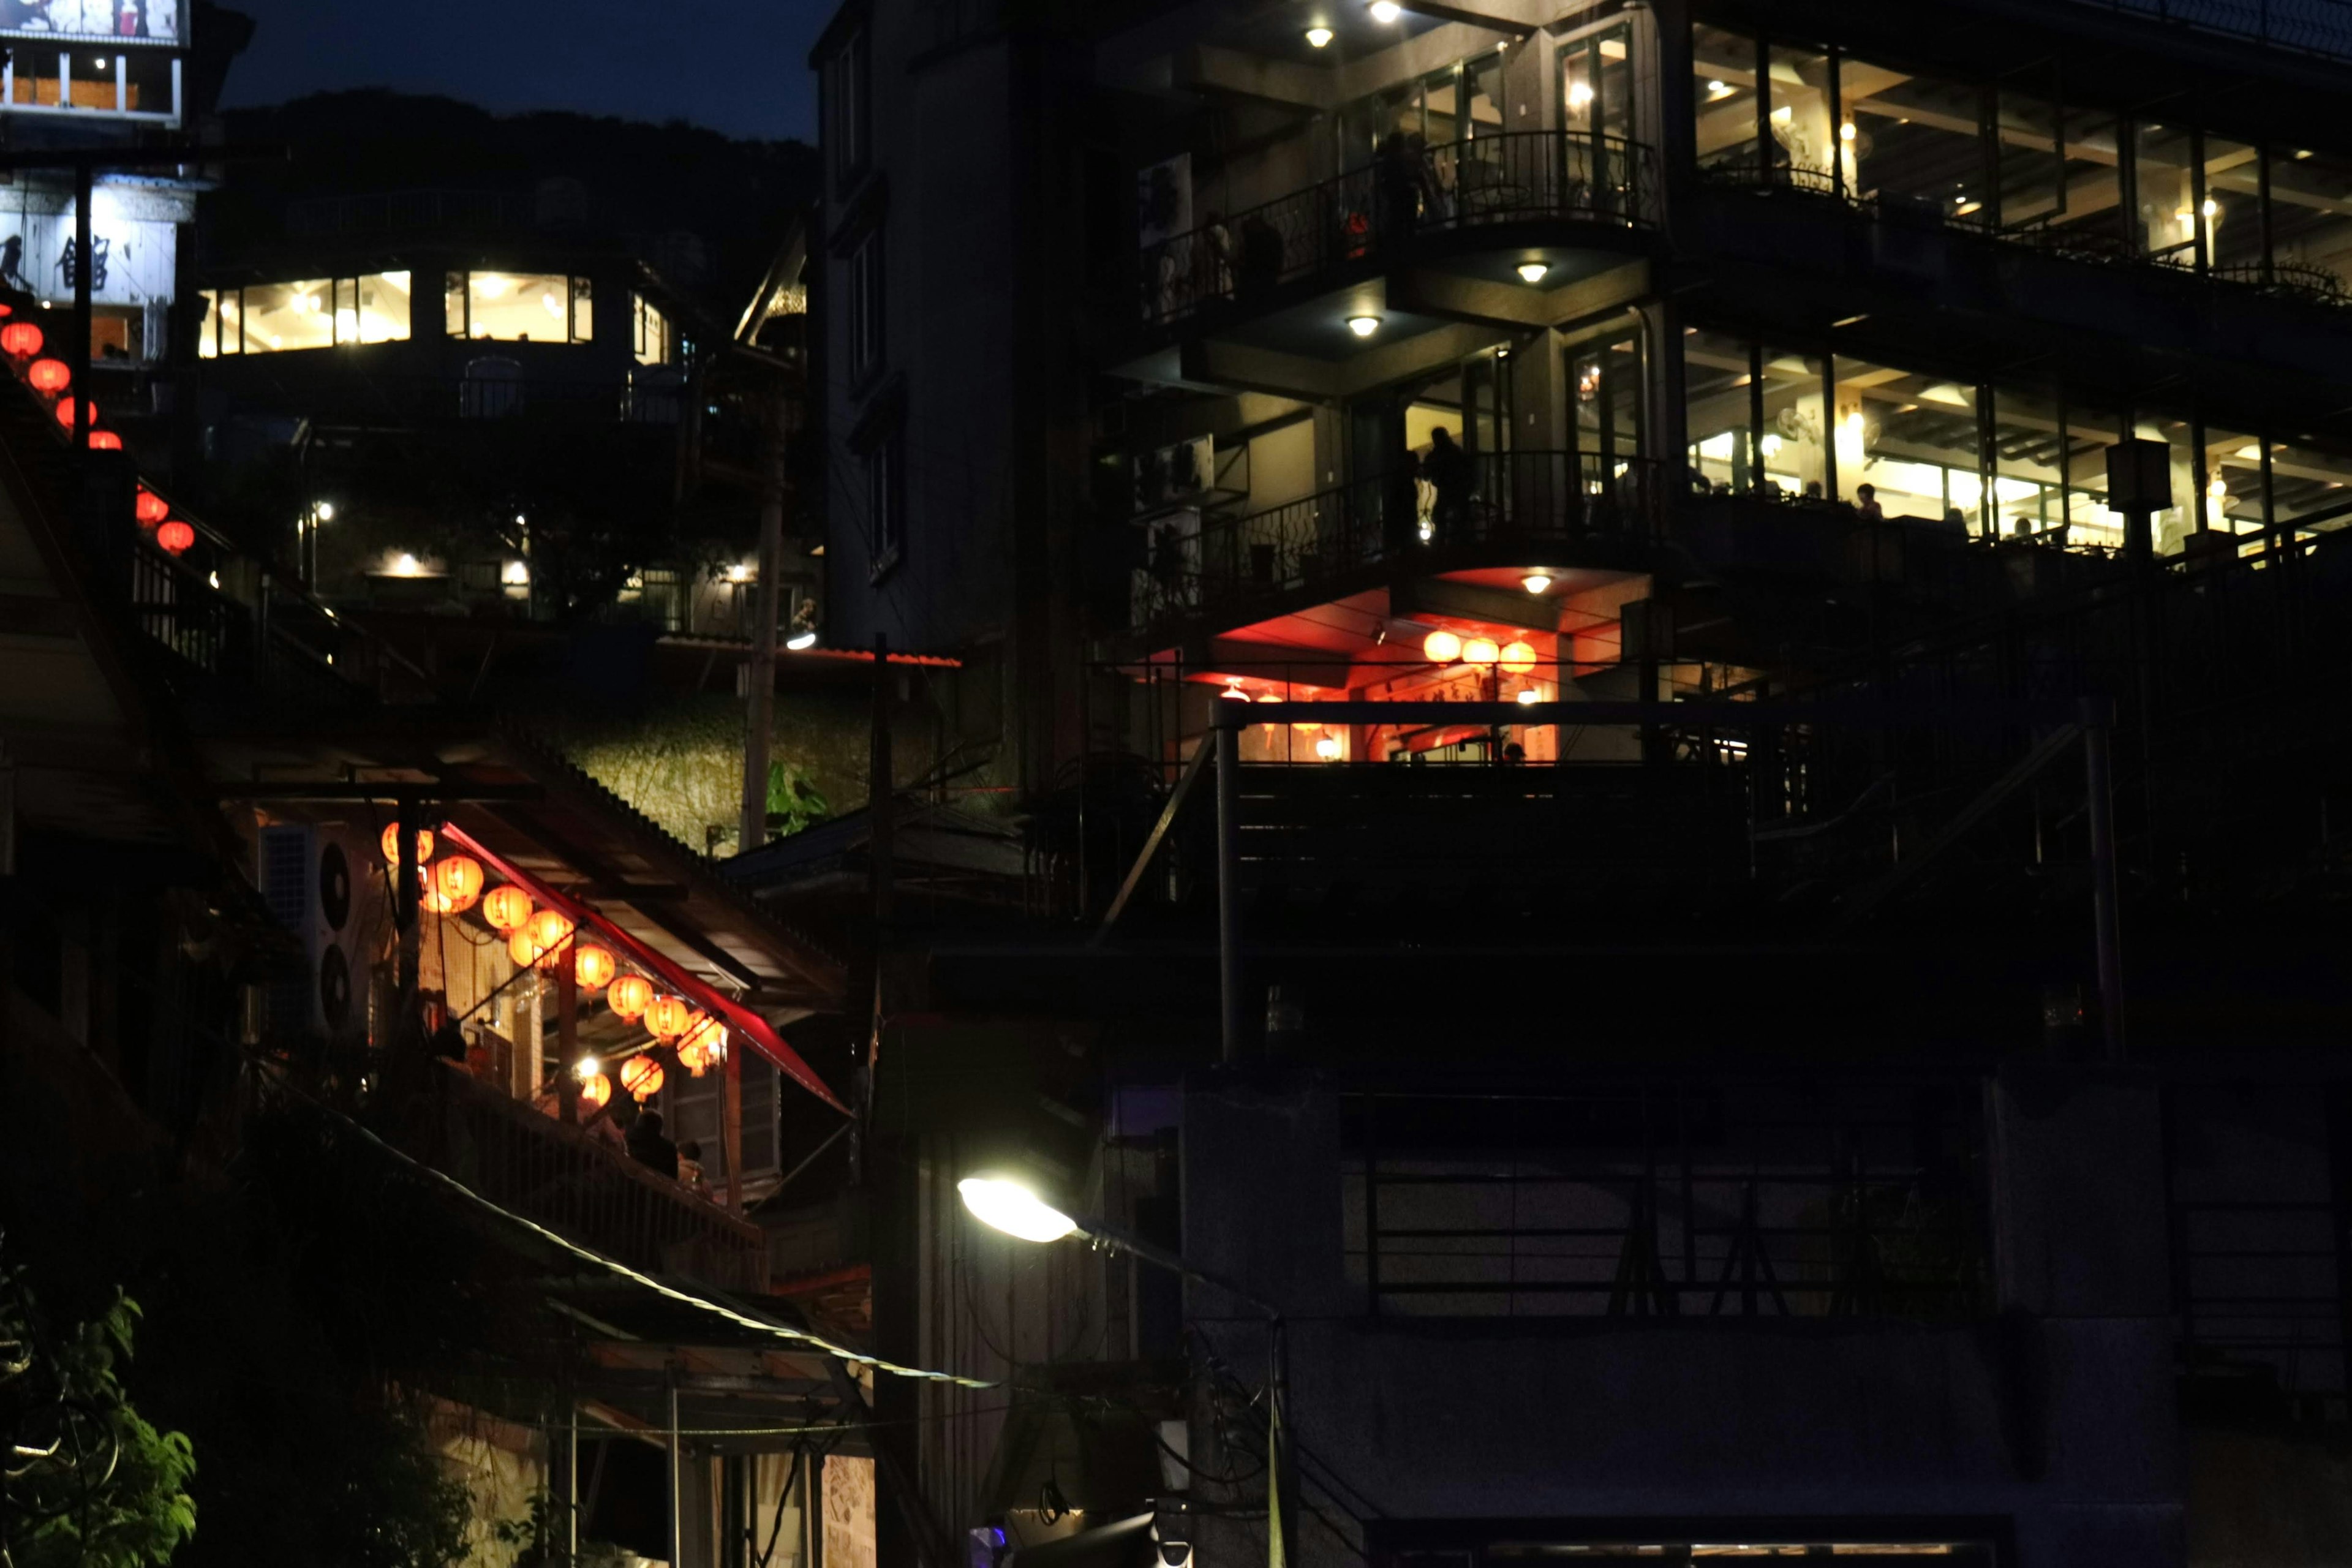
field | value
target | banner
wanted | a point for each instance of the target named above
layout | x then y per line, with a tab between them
90	21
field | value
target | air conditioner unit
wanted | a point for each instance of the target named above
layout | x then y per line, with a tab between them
326	884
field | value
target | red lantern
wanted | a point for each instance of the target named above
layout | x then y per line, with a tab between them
552	931
105	441
21	339
593	967
458	881
390	842
65	406
1517	658
642	1076
152	507
524	949
595	1091
629	996
667	1017
506	908
48	375
175	537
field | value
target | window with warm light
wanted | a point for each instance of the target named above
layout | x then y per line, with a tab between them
650	334
517	307
327	313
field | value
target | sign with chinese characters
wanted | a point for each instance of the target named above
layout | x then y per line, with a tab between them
77	21
135	246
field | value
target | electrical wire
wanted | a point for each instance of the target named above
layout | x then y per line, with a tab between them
670	1292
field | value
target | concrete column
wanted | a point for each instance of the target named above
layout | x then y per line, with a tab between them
2082	1275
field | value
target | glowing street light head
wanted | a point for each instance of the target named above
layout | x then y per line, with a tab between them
1013	1206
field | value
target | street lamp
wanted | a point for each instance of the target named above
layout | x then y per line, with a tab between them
1007	1200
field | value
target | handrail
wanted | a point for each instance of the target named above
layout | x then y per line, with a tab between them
1547	497
1513	177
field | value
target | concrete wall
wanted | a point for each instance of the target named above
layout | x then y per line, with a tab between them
2057	1415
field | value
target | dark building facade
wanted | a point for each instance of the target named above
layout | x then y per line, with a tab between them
1777	996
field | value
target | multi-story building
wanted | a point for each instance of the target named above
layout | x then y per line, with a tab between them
1792	941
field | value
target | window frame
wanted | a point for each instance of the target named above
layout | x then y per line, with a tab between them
578	288
848	86
865	304
883	471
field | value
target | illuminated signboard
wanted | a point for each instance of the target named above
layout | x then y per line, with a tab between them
77	21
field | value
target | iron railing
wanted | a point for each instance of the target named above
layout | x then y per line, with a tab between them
1514	177
1566	498
1854	1200
583	1189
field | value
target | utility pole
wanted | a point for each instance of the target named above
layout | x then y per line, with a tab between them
760	707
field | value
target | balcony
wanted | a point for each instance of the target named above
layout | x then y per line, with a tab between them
1572	508
1375	217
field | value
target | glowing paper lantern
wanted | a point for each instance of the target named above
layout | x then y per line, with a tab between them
48	375
152	507
175	537
524	949
1517	657
507	909
65	406
642	1076
1440	646
596	1091
105	441
594	967
458	880
551	929
703	1044
21	339
390	844
1480	651
1327	748
629	996
667	1017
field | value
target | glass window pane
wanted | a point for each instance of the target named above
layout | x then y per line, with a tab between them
584	317
455	302
2173	524
1912	438
1444	125
2028	495
651	331
1723	95
2311	220
2090	216
516	307
208	335
1482	81
2232	209
289	316
384	307
2309	475
347	310
2234	481
1792	445
2167	194
1615	83
2028	137
1917	140
1804	135
2089	524
1715	412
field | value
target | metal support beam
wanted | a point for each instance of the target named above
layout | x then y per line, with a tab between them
1152	843
2099	786
1226	738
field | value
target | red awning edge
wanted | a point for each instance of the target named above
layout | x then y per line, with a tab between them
739	1020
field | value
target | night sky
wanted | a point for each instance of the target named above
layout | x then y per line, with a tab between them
737	66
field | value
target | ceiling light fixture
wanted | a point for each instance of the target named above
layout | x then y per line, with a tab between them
1318	37
1363	326
1532	271
1536	582
1386	11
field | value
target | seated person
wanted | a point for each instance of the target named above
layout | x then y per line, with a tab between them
649	1148
689	1165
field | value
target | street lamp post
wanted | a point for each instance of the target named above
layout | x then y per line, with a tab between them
1010	1204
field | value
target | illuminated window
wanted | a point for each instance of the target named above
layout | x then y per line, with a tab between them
289	316
517	307
650	332
268	317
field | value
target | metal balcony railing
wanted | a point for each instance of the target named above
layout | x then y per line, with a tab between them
1516	177
1539	498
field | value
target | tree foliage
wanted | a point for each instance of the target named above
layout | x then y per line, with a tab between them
91	1483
